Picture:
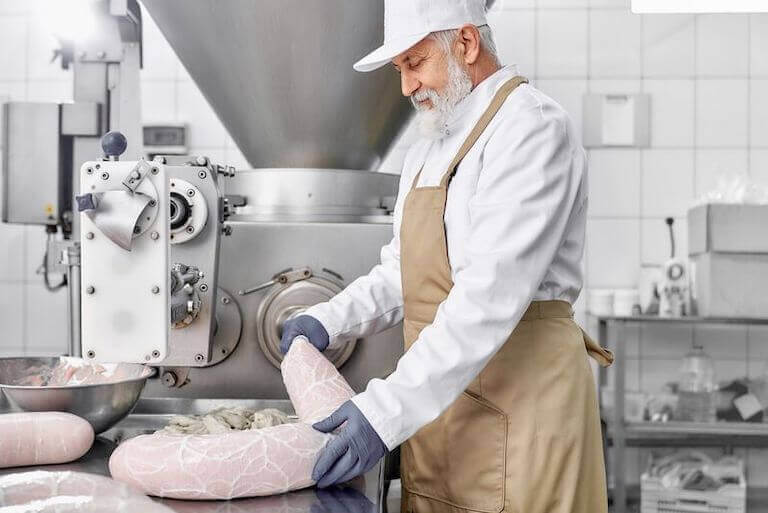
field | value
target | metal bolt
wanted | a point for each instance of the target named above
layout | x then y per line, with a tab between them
105	176
162	160
90	354
203	287
226	230
154	235
190	229
89	235
156	170
136	230
169	379
155	290
98	166
225	300
147	357
202	175
155	354
90	289
201	160
199	357
152	203
89	170
191	192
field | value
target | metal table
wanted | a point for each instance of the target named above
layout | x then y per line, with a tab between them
622	434
362	495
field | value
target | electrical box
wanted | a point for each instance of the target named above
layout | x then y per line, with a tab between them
165	139
31	156
37	157
616	120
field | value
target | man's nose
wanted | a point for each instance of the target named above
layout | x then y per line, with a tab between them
409	84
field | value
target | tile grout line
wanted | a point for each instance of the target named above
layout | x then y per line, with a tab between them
695	101
749	96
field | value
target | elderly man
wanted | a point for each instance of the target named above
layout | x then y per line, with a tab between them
493	400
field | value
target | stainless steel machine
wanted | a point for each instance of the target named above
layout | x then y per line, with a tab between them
185	264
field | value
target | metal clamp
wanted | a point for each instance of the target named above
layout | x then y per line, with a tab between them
227	171
134	178
281	278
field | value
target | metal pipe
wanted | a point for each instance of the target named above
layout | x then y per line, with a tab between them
73	300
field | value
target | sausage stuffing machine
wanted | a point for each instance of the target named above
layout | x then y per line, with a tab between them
181	262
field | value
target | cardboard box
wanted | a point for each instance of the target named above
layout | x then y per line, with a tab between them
730	284
727	228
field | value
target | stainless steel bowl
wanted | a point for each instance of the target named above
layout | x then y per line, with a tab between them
103	404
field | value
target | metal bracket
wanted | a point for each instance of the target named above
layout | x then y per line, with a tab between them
228	171
282	278
134	178
60	258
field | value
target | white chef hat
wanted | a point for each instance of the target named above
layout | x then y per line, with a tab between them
406	22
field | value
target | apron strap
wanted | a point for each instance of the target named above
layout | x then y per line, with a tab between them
481	125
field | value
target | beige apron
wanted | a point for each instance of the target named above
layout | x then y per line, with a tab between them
525	436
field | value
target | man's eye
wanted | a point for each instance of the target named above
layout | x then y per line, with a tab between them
416	64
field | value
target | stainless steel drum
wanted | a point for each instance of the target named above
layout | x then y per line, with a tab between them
283	302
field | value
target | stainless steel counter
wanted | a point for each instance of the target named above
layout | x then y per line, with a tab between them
362	495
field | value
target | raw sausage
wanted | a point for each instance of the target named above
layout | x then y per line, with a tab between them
42	438
245	463
64	492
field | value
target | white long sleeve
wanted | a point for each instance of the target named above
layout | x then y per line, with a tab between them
524	214
371	303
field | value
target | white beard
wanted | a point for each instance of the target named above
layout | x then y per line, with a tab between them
433	120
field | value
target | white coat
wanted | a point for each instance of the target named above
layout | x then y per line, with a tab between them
515	221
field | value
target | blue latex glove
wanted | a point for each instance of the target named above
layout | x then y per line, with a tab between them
307	326
341	500
354	451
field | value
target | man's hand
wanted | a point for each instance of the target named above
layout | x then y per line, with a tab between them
354	451
307	326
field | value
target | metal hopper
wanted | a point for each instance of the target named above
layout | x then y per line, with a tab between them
279	75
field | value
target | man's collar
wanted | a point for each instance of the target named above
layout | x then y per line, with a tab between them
479	97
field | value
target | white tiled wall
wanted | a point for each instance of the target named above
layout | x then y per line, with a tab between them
708	81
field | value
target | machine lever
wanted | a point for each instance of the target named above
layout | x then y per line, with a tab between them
281	278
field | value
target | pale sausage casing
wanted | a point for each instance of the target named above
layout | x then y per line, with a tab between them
245	463
42	438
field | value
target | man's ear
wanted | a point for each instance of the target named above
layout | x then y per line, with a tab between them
468	40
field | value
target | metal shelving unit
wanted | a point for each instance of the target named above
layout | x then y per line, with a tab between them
622	434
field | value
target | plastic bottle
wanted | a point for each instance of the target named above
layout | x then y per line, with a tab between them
697	389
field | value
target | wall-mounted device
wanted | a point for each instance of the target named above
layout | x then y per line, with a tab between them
165	139
675	291
616	120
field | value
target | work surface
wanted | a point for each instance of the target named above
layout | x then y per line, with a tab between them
362	495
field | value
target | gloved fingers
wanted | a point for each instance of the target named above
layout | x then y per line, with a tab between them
290	332
333	421
346	499
330	454
338	470
353	471
328	498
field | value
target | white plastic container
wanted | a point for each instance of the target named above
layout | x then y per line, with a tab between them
600	302
626	302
